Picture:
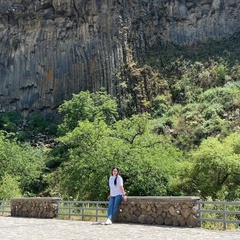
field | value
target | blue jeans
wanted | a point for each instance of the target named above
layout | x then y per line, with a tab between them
113	205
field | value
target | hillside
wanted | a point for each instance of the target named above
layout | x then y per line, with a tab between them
170	115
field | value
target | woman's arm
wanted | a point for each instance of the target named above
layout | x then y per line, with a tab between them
123	193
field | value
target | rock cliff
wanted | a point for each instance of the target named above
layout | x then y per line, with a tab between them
50	49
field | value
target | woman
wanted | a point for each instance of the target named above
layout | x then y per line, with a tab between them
117	194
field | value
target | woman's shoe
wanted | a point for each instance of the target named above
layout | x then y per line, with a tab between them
108	222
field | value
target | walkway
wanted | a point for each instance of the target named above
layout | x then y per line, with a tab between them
53	229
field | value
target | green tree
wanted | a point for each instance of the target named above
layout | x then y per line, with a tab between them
213	170
9	188
228	97
87	106
10	120
22	162
84	172
147	162
214	114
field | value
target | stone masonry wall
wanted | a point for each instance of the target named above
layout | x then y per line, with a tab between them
34	207
172	211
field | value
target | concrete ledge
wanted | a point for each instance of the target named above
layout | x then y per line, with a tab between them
164	198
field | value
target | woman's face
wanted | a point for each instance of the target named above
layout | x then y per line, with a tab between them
114	172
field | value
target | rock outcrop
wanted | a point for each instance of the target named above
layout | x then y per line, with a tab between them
50	49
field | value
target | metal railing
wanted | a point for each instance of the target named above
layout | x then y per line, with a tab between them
222	211
83	210
5	207
90	210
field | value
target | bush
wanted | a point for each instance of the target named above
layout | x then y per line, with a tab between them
9	121
9	188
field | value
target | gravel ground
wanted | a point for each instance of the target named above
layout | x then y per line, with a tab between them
12	228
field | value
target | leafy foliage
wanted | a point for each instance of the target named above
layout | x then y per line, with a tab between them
213	169
213	113
21	162
10	120
138	87
95	147
87	106
9	188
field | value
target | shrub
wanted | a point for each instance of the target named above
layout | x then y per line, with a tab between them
9	188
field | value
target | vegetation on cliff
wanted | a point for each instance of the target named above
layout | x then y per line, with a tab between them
173	130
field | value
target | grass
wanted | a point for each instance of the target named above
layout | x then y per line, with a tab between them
77	212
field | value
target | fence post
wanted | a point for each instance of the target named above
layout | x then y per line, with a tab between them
97	212
224	216
200	214
83	206
57	209
2	207
70	209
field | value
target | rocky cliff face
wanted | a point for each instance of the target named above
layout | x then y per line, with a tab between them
50	49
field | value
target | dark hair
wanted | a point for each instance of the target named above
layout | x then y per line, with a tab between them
115	180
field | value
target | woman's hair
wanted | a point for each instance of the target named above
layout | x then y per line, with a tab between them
115	180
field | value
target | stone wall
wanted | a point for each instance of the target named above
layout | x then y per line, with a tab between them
34	207
172	211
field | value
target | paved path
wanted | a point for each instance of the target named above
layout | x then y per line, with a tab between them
53	229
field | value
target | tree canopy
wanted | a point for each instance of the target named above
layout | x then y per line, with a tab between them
145	159
213	169
20	164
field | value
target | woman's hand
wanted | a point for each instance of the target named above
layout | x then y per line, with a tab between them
125	198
